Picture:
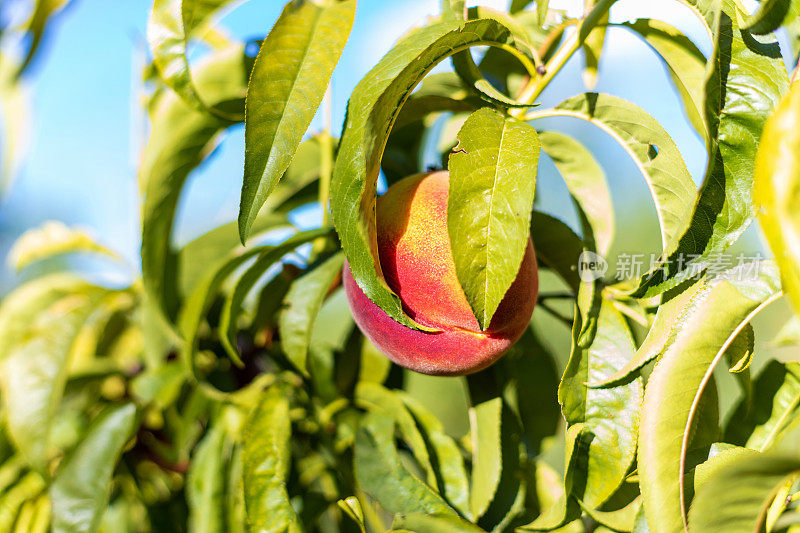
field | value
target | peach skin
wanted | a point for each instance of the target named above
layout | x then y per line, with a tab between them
417	263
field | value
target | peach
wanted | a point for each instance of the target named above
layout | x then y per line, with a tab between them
417	263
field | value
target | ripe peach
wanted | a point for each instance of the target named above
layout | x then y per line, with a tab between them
417	263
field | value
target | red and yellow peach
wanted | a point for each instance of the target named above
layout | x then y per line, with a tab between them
417	263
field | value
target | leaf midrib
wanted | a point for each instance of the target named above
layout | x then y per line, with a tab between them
487	275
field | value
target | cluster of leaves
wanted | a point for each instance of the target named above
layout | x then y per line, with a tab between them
227	389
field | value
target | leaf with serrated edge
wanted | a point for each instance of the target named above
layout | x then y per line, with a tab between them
371	113
609	420
725	208
707	326
287	84
492	184
650	147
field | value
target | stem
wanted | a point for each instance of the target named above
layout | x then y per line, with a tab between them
553	67
562	55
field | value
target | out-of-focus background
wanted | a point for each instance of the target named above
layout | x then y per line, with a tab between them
86	125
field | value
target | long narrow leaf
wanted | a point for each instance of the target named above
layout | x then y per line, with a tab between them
286	87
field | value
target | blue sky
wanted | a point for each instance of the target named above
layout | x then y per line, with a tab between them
87	129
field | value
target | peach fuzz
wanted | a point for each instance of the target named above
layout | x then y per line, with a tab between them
417	263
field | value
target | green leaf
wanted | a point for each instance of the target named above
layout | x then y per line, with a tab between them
603	423
557	512
371	113
160	385
498	476
30	486
446	459
789	334
492	184
735	117
301	307
49	240
297	187
34	373
380	473
198	256
736	497
379	399
205	483
661	332
557	247
776	182
21	307
771	15
170	26
669	428
437	93
592	47
487	457
775	402
541	11
471	75
14	126
685	63
530	377
181	138
197	303
265	464
80	490
352	507
234	499
454	11
586	183
718	460
36	28
650	147
228	326
434	523
287	84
